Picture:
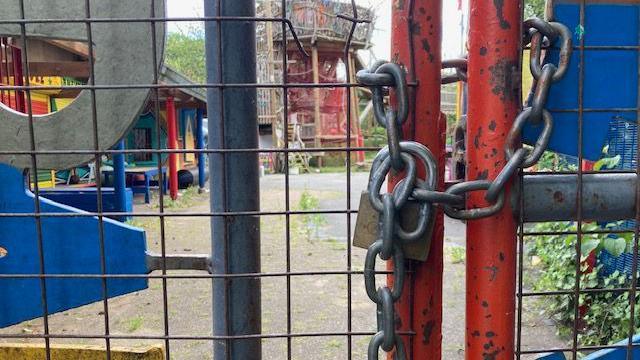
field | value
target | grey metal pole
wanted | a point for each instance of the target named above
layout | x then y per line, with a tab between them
235	240
605	197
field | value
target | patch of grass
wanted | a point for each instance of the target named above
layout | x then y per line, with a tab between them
457	254
135	222
134	324
145	223
336	244
334	343
187	198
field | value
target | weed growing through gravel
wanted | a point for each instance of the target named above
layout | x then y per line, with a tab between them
309	224
457	254
134	324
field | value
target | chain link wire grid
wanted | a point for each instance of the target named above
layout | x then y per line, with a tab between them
418	192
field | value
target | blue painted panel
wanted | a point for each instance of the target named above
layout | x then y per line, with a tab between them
86	199
611	25
565	135
71	246
617	354
551	356
610	77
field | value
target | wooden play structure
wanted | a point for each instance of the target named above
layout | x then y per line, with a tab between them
317	117
181	112
52	63
64	63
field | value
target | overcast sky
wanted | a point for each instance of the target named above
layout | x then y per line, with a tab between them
381	38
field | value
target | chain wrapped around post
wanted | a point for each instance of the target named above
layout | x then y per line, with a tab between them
397	156
401	156
537	32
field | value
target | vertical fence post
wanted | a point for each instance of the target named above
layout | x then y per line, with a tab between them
233	124
416	39
494	73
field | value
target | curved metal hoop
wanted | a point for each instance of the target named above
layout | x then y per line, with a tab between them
122	53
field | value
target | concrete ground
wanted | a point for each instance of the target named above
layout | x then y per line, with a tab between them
318	303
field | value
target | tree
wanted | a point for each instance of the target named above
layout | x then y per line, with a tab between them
534	8
185	52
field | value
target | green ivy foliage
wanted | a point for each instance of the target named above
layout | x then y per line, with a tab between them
534	8
604	317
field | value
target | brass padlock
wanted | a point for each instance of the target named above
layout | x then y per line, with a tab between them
368	229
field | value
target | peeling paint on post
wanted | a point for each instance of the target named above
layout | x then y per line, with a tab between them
494	102
416	39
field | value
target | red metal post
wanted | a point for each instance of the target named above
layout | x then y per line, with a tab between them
494	73
18	78
172	134
416	39
3	61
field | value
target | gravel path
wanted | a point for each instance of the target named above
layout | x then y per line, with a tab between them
317	303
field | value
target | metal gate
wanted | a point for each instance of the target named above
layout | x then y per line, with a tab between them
57	259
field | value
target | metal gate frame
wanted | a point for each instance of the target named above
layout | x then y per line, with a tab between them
494	64
416	45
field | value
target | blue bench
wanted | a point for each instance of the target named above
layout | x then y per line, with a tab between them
143	186
87	199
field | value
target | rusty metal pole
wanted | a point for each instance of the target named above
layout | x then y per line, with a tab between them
494	74
416	39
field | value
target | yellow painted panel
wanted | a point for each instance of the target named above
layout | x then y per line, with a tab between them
46	184
43	184
77	352
62	103
47	81
189	143
527	78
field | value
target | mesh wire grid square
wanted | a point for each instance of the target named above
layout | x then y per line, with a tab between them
287	274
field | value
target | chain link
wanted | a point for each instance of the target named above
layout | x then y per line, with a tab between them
397	155
401	155
536	31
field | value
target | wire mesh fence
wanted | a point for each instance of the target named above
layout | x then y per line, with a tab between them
302	277
589	292
176	307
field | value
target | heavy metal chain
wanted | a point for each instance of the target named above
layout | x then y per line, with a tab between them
400	157
537	33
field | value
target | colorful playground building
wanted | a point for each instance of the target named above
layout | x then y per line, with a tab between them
180	110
